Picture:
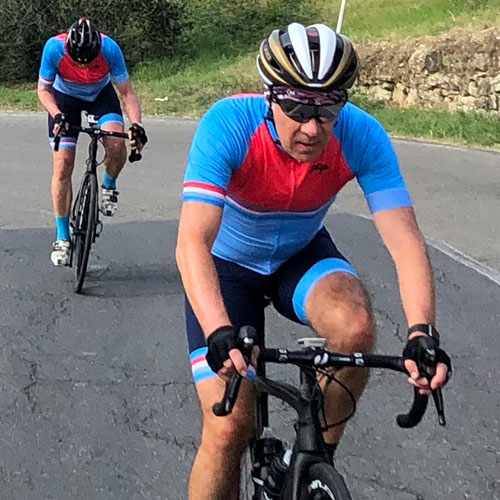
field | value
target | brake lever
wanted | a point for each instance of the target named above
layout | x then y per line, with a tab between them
429	368
247	337
134	156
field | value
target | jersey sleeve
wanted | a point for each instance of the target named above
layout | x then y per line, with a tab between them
51	55
371	157
218	148
114	56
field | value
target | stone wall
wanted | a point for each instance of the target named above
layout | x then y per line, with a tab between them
457	71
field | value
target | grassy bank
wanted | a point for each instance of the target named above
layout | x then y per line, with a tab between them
166	89
368	19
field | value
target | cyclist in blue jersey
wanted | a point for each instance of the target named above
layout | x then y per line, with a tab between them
262	172
75	75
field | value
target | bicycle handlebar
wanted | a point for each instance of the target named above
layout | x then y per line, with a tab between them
322	358
92	131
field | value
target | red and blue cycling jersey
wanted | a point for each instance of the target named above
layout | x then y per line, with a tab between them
81	81
273	205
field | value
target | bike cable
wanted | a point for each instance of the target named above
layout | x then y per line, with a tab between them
331	378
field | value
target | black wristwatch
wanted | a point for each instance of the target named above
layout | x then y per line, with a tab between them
425	328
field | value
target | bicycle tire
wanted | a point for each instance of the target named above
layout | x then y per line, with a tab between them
324	483
247	490
85	217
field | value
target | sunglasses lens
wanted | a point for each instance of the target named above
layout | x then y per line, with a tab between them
297	111
304	112
330	112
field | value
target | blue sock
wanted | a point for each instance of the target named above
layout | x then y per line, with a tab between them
62	228
108	182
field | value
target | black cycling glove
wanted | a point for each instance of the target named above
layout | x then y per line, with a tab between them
425	351
138	132
220	342
61	120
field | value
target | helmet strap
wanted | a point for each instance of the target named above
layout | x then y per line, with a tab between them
269	98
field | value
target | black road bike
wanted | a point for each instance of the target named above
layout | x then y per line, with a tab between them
306	471
84	221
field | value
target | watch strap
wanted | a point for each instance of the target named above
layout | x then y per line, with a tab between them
426	328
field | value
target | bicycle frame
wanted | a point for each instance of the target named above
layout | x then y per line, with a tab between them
91	169
309	444
92	158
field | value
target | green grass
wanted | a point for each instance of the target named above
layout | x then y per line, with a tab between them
366	19
19	97
166	88
189	90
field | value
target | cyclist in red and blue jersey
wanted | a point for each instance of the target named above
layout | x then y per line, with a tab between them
262	172
75	75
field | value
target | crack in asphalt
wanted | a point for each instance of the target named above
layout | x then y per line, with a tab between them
28	389
397	326
378	481
442	277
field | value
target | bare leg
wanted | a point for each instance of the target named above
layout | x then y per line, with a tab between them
116	151
61	187
339	310
216	468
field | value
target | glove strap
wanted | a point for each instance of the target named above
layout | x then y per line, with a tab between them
426	328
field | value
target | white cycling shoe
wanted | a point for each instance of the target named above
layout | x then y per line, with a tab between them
61	253
109	201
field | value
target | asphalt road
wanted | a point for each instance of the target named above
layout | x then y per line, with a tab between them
96	399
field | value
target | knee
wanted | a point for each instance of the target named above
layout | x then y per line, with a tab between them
352	328
339	310
227	434
347	324
63	169
116	150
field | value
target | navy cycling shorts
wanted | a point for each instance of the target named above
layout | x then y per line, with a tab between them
106	107
246	293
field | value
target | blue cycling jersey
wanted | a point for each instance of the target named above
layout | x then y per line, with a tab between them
81	81
273	205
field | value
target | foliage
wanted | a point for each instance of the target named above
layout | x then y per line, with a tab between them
144	30
224	27
395	19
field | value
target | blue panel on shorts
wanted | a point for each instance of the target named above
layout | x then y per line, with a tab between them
315	273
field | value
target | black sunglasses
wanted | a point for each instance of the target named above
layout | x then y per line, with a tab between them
304	112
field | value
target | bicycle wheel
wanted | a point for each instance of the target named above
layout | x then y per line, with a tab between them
84	224
324	483
246	482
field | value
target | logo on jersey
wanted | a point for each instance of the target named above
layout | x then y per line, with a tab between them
320	167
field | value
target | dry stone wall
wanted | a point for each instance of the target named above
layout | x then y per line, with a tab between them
457	71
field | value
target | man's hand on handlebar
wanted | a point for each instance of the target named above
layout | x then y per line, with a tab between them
224	354
137	135
61	124
428	365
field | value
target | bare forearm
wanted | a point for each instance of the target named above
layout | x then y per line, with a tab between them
132	107
416	284
202	288
47	100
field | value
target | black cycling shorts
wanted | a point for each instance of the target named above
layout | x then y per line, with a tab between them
105	107
246	293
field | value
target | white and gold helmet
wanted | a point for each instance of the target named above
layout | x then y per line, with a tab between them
312	57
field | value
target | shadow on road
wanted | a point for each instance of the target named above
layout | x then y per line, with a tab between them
96	398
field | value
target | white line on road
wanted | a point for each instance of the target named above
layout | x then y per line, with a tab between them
466	260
